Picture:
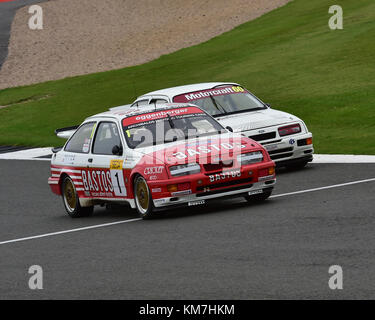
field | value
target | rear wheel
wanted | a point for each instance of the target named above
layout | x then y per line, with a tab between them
143	199
71	200
258	197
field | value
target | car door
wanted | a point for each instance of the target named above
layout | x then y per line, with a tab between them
106	167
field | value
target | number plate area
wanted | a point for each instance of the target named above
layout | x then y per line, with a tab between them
251	193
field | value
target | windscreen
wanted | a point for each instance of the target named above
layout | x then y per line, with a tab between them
165	126
223	100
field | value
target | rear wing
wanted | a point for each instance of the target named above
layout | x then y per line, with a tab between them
124	107
66	133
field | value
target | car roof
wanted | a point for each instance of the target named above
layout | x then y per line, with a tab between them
174	91
127	111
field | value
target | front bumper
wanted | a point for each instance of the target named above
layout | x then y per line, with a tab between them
201	198
288	149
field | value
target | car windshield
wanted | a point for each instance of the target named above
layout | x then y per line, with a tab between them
165	126
222	101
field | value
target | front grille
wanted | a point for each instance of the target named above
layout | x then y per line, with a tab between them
280	150
263	136
225	184
270	142
284	155
212	167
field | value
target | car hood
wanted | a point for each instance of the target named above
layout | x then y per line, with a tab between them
256	119
201	150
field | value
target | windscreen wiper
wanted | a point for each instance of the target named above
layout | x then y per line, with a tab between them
217	104
170	121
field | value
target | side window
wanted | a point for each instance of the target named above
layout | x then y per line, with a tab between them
140	103
107	136
81	139
158	101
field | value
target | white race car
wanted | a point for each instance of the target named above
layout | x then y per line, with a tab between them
285	136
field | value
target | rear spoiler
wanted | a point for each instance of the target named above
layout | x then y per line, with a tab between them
66	133
124	107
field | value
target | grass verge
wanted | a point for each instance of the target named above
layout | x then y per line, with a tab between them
288	57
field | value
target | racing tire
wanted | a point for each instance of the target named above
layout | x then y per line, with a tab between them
142	198
258	197
71	200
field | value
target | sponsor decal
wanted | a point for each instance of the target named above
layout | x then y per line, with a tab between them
153	178
161	201
208	149
155	190
224	175
152	116
181	193
153	170
97	181
270	147
196	203
116	164
266	178
250	193
104	183
68	159
86	146
203	94
292	141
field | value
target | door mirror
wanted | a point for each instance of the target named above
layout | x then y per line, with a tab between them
117	151
230	129
268	105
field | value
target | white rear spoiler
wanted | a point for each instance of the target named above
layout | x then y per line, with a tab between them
124	107
66	133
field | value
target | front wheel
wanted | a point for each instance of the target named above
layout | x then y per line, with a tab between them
143	199
71	200
258	197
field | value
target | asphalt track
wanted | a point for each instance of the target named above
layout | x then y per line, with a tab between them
281	249
7	12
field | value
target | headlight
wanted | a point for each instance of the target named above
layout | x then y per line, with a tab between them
287	130
185	169
251	157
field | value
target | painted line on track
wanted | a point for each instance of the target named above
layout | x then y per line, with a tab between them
41	153
70	231
323	188
138	219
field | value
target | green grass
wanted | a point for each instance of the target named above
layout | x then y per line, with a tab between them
288	57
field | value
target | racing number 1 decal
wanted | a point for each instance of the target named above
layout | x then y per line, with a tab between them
117	178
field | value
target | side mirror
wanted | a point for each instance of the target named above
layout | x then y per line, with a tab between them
117	151
268	105
230	129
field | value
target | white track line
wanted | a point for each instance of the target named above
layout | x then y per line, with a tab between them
33	154
322	188
70	231
138	219
343	158
29	154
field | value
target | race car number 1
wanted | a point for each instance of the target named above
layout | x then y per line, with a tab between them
117	178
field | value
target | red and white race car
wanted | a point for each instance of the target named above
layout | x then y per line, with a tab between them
157	157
